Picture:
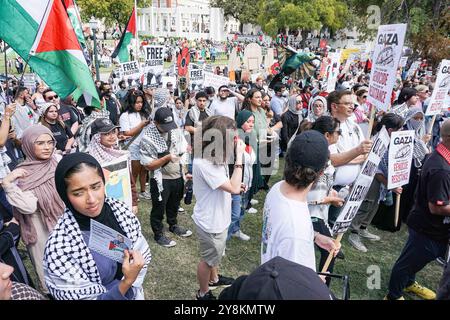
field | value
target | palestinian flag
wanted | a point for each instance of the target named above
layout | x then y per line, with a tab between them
40	31
130	32
74	16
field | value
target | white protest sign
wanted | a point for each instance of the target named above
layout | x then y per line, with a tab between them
108	242
362	183
403	61
351	59
195	75
215	81
29	81
440	92
118	183
167	79
154	65
400	158
401	110
130	71
412	70
333	71
388	49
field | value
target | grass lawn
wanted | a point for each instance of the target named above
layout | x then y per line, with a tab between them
172	271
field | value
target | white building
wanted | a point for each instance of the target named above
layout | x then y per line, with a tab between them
191	19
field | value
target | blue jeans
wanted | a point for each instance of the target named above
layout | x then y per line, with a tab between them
419	250
236	215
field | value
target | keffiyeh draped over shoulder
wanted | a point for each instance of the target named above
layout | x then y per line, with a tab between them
101	153
69	267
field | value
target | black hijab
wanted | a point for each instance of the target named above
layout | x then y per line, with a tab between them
106	216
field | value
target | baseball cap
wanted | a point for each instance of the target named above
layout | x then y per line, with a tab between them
102	125
164	118
278	279
309	150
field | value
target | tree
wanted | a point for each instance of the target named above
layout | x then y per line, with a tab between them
112	11
243	11
277	15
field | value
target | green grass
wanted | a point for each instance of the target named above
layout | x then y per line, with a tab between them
172	271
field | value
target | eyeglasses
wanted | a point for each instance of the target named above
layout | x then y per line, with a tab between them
299	101
49	143
52	97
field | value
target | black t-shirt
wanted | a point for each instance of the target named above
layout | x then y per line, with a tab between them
113	109
434	187
67	115
61	135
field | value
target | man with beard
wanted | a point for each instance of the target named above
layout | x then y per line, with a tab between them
225	105
112	104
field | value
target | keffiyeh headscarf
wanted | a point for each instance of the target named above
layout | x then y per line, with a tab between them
85	130
101	153
420	148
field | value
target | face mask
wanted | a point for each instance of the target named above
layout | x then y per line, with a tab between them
210	98
415	124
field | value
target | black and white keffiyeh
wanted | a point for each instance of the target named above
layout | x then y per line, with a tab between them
194	114
153	143
84	136
69	267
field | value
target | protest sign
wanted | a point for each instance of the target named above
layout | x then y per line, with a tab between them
386	57
403	61
130	72
362	183
167	79
333	70
118	183
195	76
153	66
438	98
412	70
29	81
401	110
400	158
253	56
108	242
215	81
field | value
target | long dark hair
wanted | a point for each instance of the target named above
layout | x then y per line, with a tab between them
391	121
130	101
246	104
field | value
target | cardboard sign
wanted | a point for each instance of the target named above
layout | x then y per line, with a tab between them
400	110
333	70
215	81
400	158
130	71
362	183
154	66
386	57
253	56
438	98
29	81
118	183
108	242
403	61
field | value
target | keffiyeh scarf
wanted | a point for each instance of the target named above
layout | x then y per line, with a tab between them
194	114
153	143
85	131
69	267
101	153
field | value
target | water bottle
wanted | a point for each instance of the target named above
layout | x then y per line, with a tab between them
189	192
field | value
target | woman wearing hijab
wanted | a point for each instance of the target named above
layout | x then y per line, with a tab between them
103	148
78	272
414	120
316	108
292	118
31	191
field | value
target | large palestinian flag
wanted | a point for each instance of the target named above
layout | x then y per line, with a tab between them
40	31
74	16
121	50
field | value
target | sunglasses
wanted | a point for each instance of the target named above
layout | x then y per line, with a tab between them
52	97
299	101
364	97
339	132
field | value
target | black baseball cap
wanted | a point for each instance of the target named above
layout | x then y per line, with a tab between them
309	150
278	279
164	119
102	125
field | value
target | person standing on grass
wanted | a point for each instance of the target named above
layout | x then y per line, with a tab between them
287	228
213	188
428	223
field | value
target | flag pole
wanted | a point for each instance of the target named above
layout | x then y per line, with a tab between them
6	73
137	32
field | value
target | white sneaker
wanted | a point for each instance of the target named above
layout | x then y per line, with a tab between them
240	235
356	243
254	202
370	236
252	210
223	254
180	209
145	195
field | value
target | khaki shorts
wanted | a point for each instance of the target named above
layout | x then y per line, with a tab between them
212	246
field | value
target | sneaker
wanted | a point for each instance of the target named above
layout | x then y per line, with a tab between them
165	242
181	210
254	202
207	296
340	255
222	282
180	231
240	235
421	291
355	241
369	236
145	195
252	210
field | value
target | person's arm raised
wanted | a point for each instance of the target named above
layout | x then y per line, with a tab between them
233	185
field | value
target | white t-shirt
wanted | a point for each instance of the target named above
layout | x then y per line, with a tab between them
225	108
351	137
287	230
129	121
212	211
